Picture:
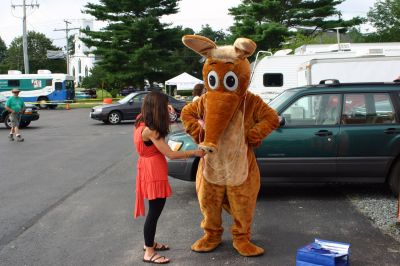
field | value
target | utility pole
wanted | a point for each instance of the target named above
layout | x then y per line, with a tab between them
24	34
67	30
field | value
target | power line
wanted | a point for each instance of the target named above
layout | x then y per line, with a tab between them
67	30
24	34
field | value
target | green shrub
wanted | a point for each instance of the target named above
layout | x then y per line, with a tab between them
101	94
114	92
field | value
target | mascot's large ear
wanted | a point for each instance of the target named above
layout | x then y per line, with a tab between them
244	47
199	44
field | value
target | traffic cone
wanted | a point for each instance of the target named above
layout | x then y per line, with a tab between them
67	107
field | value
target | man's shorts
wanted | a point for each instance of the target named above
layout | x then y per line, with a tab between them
15	119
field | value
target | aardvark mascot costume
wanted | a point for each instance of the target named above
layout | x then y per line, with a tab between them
235	121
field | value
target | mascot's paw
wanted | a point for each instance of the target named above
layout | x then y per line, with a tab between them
247	249
206	244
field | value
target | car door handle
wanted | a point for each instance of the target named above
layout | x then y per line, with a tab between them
323	133
391	131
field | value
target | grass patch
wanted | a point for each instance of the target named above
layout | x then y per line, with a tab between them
79	105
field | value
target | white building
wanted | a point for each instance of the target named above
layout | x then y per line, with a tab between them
82	61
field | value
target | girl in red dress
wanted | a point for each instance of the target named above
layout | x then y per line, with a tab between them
151	128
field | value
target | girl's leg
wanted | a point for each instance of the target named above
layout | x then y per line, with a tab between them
155	208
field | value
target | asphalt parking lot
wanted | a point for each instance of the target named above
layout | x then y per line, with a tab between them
67	194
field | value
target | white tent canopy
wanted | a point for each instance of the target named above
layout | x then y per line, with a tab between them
183	81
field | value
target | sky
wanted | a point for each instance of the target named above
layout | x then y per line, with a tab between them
192	13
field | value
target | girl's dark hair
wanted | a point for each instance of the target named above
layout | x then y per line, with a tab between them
155	113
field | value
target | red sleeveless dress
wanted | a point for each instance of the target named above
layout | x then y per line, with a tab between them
152	173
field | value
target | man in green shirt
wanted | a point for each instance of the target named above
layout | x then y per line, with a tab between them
16	106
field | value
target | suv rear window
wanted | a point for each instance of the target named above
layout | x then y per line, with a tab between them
368	108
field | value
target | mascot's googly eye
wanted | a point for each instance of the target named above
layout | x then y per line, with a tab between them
231	81
212	79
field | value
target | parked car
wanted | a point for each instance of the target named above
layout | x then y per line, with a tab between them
90	92
127	91
27	117
127	108
82	95
336	133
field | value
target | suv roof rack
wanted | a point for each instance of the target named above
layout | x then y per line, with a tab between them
331	81
335	83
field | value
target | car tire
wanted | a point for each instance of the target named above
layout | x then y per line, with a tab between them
24	124
43	102
114	117
394	178
7	121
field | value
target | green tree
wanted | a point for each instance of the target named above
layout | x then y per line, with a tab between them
218	36
38	44
269	22
3	52
353	35
183	59
135	45
385	17
98	79
356	36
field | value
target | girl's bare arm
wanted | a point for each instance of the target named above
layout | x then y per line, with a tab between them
163	147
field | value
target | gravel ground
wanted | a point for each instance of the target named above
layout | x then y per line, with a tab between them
377	204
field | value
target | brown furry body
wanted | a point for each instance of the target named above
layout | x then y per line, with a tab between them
235	122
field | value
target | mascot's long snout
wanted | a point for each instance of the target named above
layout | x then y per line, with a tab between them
220	108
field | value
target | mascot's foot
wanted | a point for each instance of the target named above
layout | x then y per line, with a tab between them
206	244
247	249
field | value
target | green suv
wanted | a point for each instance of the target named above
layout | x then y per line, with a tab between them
329	133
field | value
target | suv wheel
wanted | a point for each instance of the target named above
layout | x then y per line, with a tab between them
114	117
394	178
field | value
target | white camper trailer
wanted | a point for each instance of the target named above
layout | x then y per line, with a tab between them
357	69
275	73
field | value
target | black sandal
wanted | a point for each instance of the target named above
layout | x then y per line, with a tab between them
161	248
154	260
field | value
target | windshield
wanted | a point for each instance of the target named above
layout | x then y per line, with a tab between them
69	84
127	98
2	98
280	99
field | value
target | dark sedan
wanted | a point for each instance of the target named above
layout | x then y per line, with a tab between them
127	108
27	117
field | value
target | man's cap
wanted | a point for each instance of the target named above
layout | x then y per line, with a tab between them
15	90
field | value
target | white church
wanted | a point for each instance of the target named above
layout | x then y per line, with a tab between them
82	61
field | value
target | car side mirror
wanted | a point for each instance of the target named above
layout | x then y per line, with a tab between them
130	101
282	121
